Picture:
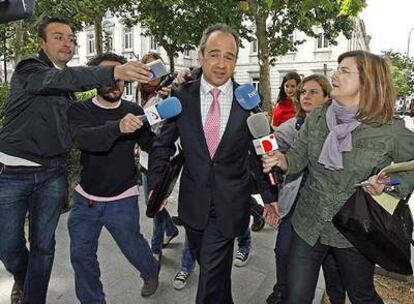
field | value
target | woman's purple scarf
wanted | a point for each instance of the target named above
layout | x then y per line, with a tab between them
339	138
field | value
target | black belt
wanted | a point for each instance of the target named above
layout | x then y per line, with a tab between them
20	169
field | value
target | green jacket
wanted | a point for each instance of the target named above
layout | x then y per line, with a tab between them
325	191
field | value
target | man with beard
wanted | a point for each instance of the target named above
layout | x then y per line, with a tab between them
106	129
34	144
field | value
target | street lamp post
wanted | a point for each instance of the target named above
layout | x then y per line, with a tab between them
408	43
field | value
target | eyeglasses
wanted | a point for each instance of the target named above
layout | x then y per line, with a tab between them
310	92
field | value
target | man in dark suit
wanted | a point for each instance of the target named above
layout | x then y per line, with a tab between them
215	183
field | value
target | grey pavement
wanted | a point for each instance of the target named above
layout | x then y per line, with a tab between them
122	284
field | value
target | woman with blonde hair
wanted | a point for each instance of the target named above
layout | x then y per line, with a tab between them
344	143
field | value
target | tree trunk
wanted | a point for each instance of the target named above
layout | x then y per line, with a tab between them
263	55
98	35
172	64
5	56
19	42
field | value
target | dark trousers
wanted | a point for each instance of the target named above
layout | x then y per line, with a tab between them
334	286
121	219
41	192
356	271
214	254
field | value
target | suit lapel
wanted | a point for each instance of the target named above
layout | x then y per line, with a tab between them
231	123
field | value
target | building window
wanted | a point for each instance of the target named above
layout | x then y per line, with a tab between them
322	41
186	53
153	44
108	40
90	43
127	38
76	51
256	83
253	46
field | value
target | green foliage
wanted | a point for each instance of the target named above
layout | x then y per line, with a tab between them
284	17
4	89
351	7
178	24
402	72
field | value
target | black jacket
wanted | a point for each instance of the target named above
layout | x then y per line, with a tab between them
36	126
223	181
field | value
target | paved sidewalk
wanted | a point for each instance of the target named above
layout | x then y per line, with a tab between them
122	285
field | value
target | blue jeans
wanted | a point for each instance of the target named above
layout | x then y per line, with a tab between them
356	271
42	194
121	219
188	256
162	223
334	285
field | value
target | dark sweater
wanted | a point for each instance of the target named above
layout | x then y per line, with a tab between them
107	155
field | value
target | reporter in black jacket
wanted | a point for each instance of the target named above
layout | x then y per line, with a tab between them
34	143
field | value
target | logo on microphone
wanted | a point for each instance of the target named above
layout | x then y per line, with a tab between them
152	115
252	94
265	144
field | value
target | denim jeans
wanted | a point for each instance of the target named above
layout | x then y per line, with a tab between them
162	223
42	194
356	271
188	256
121	219
334	286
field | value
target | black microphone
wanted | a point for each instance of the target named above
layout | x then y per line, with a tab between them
264	142
166	81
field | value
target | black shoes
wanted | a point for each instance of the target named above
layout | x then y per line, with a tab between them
150	285
274	298
258	224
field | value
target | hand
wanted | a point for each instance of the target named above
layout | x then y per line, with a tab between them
376	184
165	91
182	76
132	71
130	123
272	159
271	214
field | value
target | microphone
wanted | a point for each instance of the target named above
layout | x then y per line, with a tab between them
165	109
166	82
264	142
11	10
248	98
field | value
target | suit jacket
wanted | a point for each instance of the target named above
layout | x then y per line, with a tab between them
223	180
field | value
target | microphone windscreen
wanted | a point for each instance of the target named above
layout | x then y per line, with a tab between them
258	125
247	96
169	107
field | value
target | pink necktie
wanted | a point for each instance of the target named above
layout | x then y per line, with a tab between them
212	123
